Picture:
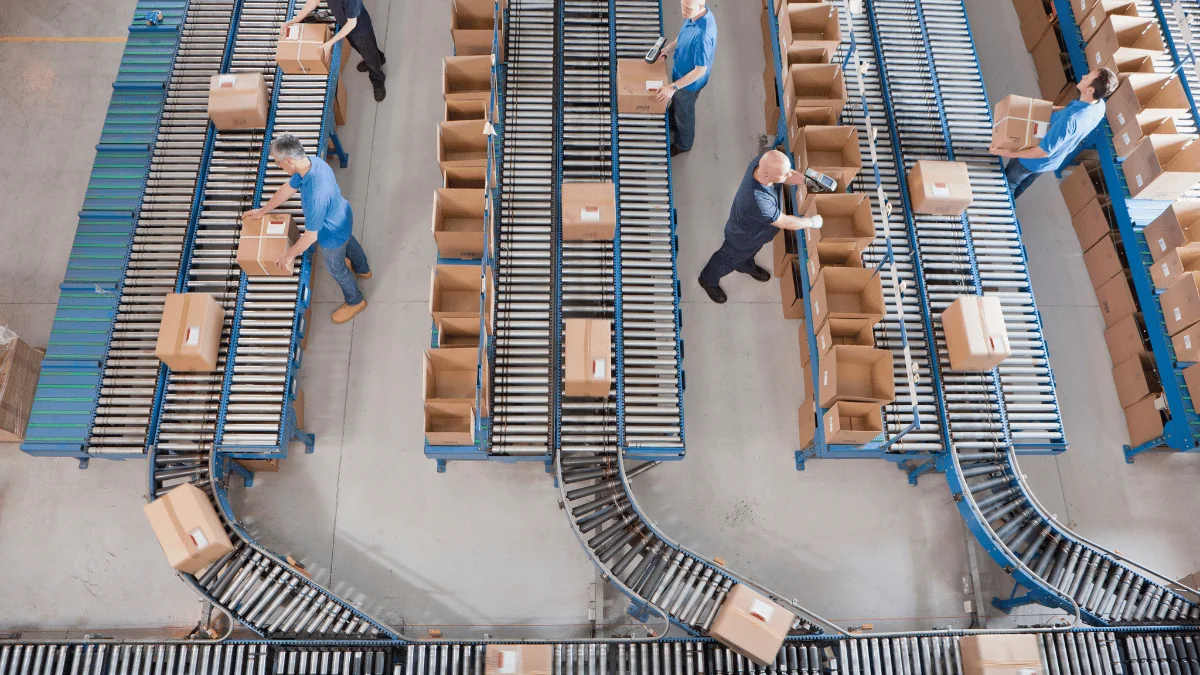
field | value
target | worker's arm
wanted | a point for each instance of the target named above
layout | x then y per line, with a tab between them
667	50
309	6
1036	152
669	90
795	178
327	48
786	222
302	244
281	195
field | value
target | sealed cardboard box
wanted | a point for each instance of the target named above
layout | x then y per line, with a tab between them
852	373
832	150
1174	263
1051	65
1124	39
298	51
853	423
238	101
20	366
812	25
784	250
1091	22
831	257
1081	185
1181	302
847	293
1020	122
1033	19
189	335
1187	344
259	465
638	84
462	144
814	93
454	291
1126	339
806	417
188	528
589	211
848	223
1000	655
467	78
1091	224
1105	259
1163	166
751	624
939	188
341	100
450	375
1178	225
976	336
791	293
1191	378
523	659
458	222
465	177
1115	298
587	357
1145	420
262	241
450	424
1136	378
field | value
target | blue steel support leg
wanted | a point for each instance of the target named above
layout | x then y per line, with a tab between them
1013	601
639	611
342	155
919	470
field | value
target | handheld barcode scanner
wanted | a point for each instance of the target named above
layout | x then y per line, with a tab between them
818	182
656	50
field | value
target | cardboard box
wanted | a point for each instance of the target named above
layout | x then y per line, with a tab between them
465	177
472	27
450	375
523	659
751	625
450	423
587	357
806	418
1165	271
1143	104
1068	94
454	291
853	423
847	293
188	528
458	217
305	323
238	101
1115	298
1145	420
1125	141
467	78
638	83
848	224
809	25
589	211
997	654
1090	22
262	241
939	188
1178	225
189	335
844	332
976	337
814	93
20	367
1083	184
1191	379
258	465
791	292
1181	302
1020	122
1136	378
462	144
1126	338
1091	224
1163	166
1082	8
1033	19
831	257
1187	344
1051	65
852	373
341	100
1105	259
832	150
458	111
459	332
298	51
785	249
1123	40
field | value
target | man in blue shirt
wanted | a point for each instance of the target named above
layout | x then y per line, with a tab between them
1068	128
328	221
693	52
754	219
354	25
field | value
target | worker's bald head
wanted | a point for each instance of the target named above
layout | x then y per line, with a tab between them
774	167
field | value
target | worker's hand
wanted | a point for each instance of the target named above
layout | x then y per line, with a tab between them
815	222
327	51
285	260
662	55
666	93
284	28
254	213
999	152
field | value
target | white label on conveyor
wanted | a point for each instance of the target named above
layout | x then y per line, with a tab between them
508	661
654	85
589	214
192	335
198	538
763	611
1178	315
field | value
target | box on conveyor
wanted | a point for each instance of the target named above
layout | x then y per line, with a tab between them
589	211
587	357
976	337
1167	269
188	528
298	51
814	93
523	659
1083	184
848	224
1144	103
807	27
189	334
853	423
20	367
1126	141
462	144
1124	40
1187	344
1020	122
832	150
1092	19
997	654
1115	298
751	624
1092	223
1181	302
1178	225
784	249
1105	259
454	291
831	257
939	188
806	419
1191	379
854	373
1145	419
1136	378
458	219
1162	166
467	78
238	101
638	84
450	375
262	240
854	294
1127	338
450	423
791	292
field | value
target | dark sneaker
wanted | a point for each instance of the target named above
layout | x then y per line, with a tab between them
759	274
714	292
380	92
362	65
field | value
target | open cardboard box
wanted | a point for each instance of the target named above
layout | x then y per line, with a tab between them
1051	64
462	144
1187	344
852	373
1081	8
458	219
454	291
459	110
809	25
449	423
1175	263
1178	225
1105	259
1081	185
1091	20
1163	166
847	293
853	423
791	293
471	26
1181	302
848	223
1143	104
1126	141
1092	223
1145	419
451	375
832	150
784	249
831	255
814	93
465	177
844	332
1124	40
459	332
1033	19
467	78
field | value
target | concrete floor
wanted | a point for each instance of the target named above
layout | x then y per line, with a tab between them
483	548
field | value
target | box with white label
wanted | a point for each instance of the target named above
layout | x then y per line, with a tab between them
189	334
638	84
523	659
188	528
976	337
262	241
589	211
751	624
940	188
1020	122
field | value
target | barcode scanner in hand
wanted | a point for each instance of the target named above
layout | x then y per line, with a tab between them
656	50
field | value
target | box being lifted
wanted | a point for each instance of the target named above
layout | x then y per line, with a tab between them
1020	122
238	101
298	51
976	336
189	335
751	624
262	241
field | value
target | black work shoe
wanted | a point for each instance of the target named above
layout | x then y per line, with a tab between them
675	152
759	274
380	92
362	65
714	292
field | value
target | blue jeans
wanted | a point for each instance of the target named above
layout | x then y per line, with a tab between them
1019	177
682	116
335	262
728	258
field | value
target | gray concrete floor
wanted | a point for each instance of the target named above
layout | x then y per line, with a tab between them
484	548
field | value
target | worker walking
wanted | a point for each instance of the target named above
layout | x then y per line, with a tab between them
328	221
692	53
1069	127
754	219
354	23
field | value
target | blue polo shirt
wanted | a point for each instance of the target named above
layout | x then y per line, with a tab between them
1068	128
695	46
755	207
326	211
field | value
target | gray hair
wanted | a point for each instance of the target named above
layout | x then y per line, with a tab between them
287	146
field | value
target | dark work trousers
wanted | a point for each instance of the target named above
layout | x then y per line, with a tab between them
362	38
1019	177
682	113
731	257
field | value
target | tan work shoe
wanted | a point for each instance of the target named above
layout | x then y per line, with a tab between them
347	312
360	276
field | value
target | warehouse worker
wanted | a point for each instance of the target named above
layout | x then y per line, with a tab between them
354	23
328	221
757	214
693	52
1068	129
